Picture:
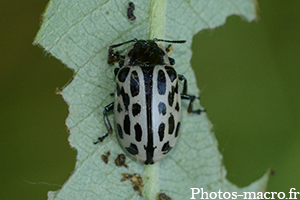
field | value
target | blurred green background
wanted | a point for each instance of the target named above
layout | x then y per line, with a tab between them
249	73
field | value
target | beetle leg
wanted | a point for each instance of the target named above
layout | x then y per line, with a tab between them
169	49
107	108
190	107
188	97
182	78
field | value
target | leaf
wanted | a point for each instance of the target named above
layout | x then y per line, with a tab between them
79	33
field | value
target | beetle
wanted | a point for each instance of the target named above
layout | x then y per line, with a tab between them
147	104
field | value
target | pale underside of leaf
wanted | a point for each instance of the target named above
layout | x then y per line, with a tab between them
78	33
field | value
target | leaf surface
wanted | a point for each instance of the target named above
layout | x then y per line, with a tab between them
79	33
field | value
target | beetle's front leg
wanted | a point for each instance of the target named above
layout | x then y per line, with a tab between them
107	108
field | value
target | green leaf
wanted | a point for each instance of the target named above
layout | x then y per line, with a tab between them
78	33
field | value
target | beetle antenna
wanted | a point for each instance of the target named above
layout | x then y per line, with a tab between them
117	45
171	41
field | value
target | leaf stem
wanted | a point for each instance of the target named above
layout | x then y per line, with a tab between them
157	13
151	181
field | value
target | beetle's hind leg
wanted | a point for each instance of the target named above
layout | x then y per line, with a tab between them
107	108
190	107
192	98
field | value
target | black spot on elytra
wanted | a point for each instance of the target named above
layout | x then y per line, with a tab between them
136	109
125	98
138	132
171	96
172	61
171	124
176	88
161	131
162	109
166	148
133	150
123	73
177	107
177	129
119	108
120	132
134	84
171	72
161	82
126	125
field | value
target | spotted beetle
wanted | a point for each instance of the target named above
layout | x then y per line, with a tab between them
147	104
